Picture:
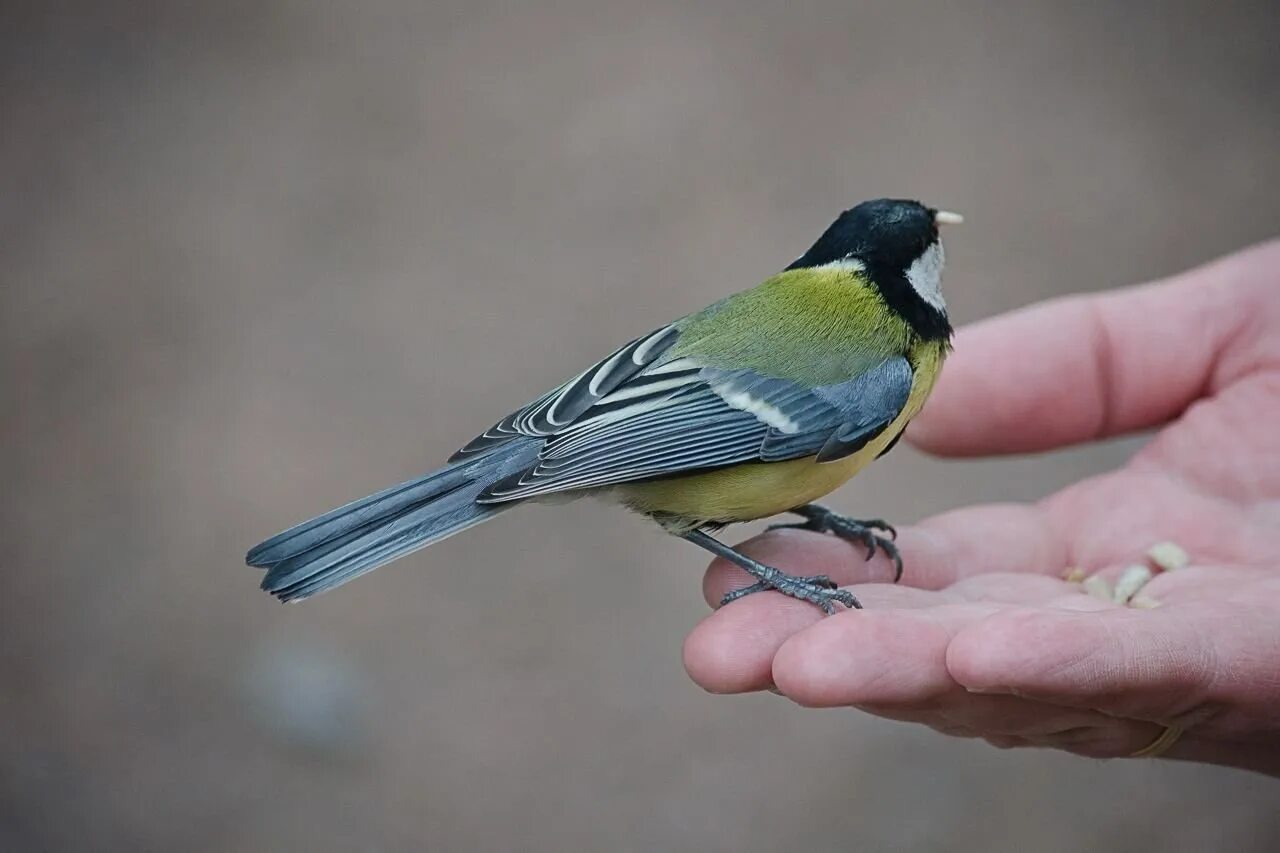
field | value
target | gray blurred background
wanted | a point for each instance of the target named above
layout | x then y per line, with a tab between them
259	258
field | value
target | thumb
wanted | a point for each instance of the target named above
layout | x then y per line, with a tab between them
1090	367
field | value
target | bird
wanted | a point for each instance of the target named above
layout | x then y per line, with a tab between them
753	407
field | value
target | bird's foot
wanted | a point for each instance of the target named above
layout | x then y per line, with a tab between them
822	520
818	589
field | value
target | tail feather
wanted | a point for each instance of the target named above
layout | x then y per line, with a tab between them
323	528
344	543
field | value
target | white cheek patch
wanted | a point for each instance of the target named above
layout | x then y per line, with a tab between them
925	275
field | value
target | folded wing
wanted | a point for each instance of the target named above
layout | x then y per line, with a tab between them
679	417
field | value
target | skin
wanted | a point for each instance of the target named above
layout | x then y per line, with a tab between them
983	638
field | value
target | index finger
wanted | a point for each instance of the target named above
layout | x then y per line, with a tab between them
732	650
936	553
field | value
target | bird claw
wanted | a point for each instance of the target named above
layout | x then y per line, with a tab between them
819	519
817	589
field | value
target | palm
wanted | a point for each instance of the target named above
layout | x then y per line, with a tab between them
1210	480
988	640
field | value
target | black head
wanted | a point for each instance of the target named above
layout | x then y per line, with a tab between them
895	242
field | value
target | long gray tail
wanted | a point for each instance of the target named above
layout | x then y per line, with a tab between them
342	544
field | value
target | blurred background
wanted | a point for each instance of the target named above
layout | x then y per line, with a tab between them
260	258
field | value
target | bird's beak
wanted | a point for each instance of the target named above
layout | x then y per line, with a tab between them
946	217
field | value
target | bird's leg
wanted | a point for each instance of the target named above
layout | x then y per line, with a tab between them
822	520
819	590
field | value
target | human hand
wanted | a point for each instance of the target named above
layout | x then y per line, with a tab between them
984	638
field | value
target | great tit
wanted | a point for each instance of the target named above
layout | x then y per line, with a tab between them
753	407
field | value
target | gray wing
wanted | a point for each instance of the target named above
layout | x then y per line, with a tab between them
711	419
565	405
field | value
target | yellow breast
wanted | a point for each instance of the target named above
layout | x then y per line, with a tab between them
761	489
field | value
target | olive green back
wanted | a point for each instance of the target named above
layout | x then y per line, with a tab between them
814	326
